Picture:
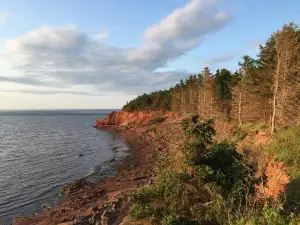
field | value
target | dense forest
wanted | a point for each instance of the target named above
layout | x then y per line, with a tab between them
265	89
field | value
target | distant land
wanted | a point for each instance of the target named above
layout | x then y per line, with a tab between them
59	112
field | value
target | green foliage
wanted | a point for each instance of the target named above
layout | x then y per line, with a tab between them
141	211
199	133
285	144
156	100
253	127
244	95
269	215
169	196
167	186
219	176
170	185
144	195
219	189
239	135
156	120
224	167
202	130
173	220
248	71
223	79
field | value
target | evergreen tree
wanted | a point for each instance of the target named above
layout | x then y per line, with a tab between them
223	93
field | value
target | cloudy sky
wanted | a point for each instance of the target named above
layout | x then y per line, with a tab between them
59	54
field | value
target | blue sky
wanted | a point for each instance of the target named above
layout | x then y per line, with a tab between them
102	53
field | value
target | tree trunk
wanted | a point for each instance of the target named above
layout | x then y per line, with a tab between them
191	100
204	103
211	107
240	108
276	84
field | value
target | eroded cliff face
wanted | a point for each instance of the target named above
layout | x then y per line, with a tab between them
124	119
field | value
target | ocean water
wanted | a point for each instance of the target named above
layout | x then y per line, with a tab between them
40	152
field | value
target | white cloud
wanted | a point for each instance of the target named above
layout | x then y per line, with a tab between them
66	57
3	17
220	59
101	35
180	31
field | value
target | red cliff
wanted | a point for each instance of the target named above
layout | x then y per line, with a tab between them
124	118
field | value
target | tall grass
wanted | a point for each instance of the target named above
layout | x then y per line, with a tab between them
285	147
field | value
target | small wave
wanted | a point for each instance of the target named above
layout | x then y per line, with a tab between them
100	172
96	169
40	154
28	200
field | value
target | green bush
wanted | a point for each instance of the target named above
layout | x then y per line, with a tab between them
202	130
141	211
171	220
223	166
167	198
269	216
143	195
199	135
239	135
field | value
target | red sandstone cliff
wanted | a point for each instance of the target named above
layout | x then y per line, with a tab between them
124	118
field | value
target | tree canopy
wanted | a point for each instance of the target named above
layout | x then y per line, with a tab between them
265	89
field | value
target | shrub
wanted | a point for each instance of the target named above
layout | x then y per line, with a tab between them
141	211
199	135
271	215
143	195
169	199
223	166
173	220
277	179
239	135
202	130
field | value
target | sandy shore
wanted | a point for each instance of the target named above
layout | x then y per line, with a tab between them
108	200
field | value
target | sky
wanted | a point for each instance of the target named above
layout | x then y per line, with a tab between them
92	54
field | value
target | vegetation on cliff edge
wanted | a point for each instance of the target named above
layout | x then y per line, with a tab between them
217	184
263	90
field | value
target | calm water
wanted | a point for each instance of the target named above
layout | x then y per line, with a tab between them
39	154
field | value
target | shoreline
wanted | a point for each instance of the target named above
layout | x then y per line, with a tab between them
108	198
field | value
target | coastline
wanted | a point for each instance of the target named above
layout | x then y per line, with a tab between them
107	199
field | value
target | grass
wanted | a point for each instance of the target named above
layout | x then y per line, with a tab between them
285	147
253	127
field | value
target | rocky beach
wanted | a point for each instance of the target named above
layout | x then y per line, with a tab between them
106	201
